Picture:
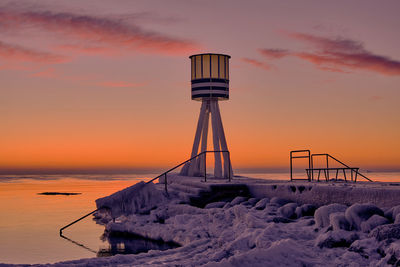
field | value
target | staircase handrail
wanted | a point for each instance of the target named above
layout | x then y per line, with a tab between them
165	180
332	157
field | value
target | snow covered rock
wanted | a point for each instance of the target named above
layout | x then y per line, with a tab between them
338	221
392	213
373	222
139	198
288	210
333	239
212	205
392	255
322	213
279	219
358	213
238	200
366	247
397	219
394	249
305	210
386	231
260	205
250	202
285	252
279	201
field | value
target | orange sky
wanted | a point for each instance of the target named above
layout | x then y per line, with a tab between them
88	85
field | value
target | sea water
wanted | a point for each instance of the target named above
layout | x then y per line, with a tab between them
30	222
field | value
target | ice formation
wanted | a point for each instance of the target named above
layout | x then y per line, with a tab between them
268	231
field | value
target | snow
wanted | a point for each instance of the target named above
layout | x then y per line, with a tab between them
260	205
372	222
291	229
336	238
288	210
139	198
358	213
338	221
322	214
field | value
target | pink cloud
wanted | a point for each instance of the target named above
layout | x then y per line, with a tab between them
338	55
375	98
86	49
256	63
111	32
47	73
18	53
274	53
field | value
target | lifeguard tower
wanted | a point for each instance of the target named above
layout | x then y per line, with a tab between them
210	84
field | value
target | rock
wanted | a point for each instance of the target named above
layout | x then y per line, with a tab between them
386	231
305	210
392	213
288	210
279	201
333	239
397	219
322	213
358	213
373	222
238	200
281	220
215	205
261	204
338	221
252	201
366	247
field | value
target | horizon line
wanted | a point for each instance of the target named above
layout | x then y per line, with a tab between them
127	170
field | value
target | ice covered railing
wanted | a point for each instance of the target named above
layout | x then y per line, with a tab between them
131	203
138	198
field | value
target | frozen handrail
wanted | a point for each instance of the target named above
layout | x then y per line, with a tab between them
338	161
165	180
310	169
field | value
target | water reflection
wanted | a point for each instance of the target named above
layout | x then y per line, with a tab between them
78	244
125	243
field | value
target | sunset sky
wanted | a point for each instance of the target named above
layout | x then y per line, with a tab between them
106	84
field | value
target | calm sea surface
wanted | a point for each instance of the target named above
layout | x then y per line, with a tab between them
30	223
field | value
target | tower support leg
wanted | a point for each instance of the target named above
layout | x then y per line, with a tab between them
224	146
196	166
188	169
216	139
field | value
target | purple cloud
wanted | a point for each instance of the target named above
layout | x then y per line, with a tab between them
109	32
337	54
18	53
256	63
274	53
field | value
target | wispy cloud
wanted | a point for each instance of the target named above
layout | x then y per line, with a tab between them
104	31
337	55
19	53
274	53
47	73
256	63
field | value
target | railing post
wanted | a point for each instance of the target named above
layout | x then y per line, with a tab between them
291	171
327	166
165	183
205	166
229	167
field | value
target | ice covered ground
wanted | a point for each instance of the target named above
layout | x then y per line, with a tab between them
298	228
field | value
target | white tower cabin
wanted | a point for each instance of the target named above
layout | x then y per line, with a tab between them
210	83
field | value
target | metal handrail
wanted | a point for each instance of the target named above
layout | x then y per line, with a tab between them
327	165
205	166
298	157
165	180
